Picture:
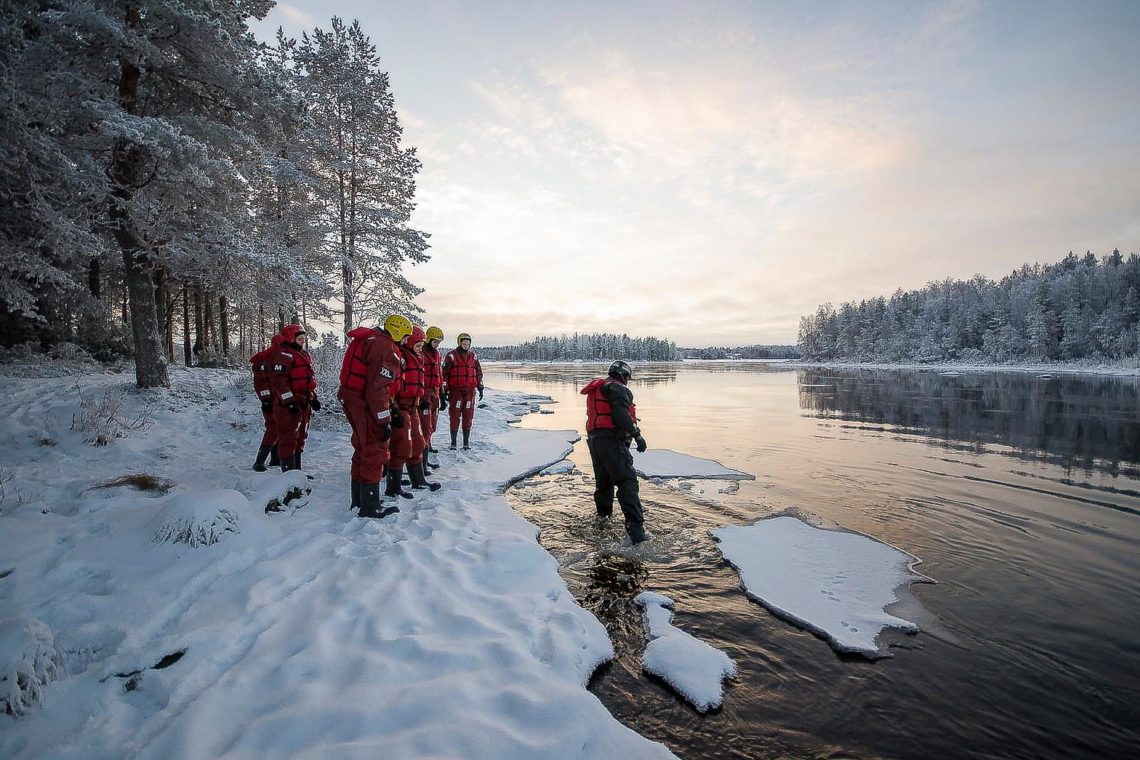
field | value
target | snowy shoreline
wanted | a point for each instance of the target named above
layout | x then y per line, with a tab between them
444	631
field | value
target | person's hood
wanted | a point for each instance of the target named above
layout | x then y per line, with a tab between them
290	332
363	332
593	385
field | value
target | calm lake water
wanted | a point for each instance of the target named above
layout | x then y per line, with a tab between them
1020	494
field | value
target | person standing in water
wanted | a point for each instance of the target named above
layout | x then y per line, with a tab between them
611	425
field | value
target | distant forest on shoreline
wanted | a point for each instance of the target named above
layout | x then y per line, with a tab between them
1079	308
604	347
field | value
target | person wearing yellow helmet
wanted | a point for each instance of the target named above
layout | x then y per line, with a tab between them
407	444
433	388
369	375
462	377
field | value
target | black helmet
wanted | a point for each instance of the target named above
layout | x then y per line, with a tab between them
620	370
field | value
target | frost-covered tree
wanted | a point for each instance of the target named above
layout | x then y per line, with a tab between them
1077	308
365	178
163	97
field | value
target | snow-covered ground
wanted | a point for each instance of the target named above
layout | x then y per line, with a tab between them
150	606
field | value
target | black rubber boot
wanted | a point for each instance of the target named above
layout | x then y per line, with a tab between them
356	484
289	463
262	453
393	481
427	462
467	439
419	480
370	502
453	434
274	460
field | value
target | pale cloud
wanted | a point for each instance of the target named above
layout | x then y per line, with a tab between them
711	172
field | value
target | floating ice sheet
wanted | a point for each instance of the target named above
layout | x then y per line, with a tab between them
834	583
663	463
692	667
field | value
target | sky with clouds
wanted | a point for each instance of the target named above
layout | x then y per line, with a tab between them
709	172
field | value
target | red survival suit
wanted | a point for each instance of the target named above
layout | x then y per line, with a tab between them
259	364
408	442
433	382
369	376
294	388
462	376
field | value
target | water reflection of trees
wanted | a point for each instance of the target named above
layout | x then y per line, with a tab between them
1077	418
646	375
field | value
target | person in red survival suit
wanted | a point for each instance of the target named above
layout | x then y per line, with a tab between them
369	376
611	425
408	444
433	386
259	363
294	388
462	377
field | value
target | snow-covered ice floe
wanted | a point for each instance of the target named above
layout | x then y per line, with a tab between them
835	583
692	667
663	463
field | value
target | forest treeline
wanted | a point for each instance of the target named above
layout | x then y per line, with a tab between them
1081	307
759	351
603	347
168	179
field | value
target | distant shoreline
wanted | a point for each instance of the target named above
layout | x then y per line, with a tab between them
1124	368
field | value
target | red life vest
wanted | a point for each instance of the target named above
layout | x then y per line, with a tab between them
353	370
599	411
461	370
433	377
412	379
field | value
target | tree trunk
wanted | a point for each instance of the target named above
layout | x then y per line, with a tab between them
126	172
160	299
199	330
168	327
222	321
94	281
208	330
187	354
150	361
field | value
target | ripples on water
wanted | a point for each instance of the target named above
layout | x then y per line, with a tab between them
1019	494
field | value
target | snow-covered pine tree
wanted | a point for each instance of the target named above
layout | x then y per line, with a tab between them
366	180
168	95
46	238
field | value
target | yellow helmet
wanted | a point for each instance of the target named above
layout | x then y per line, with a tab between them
434	333
398	326
461	337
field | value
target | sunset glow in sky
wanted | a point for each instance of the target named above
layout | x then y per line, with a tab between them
709	172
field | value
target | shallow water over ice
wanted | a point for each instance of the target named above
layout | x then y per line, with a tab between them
1020	494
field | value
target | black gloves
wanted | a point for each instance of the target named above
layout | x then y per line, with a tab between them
641	446
480	389
442	400
424	404
267	406
293	408
385	432
316	404
397	419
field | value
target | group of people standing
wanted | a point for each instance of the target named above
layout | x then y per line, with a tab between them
393	385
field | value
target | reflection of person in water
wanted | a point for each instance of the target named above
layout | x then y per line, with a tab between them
611	425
